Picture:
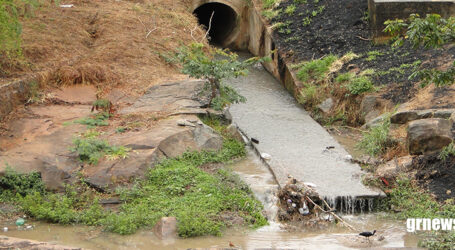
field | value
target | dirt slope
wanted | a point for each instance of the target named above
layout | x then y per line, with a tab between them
105	42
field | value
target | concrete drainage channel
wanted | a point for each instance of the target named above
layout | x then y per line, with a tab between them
274	117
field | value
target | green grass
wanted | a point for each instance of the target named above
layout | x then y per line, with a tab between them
376	140
356	85
413	202
99	119
316	69
175	187
268	4
360	84
308	95
372	55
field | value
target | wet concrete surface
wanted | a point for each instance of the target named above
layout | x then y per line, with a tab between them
296	143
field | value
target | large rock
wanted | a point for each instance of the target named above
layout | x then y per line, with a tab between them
403	117
427	136
165	139
326	105
166	228
41	143
48	155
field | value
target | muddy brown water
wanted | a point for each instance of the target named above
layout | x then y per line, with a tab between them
262	183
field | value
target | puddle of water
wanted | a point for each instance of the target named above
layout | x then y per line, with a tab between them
269	237
262	182
349	143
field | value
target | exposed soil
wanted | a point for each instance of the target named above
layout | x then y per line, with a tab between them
339	27
105	42
436	175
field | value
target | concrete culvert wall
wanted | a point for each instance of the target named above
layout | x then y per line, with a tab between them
224	21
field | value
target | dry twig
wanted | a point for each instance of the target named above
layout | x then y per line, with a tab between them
332	213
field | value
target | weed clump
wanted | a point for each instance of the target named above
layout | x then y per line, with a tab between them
100	119
316	69
376	141
91	150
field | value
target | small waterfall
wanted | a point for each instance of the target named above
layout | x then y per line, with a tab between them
352	205
261	181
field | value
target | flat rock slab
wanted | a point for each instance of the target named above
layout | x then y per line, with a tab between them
175	98
294	140
41	141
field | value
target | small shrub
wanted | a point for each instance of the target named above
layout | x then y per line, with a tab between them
215	65
377	139
13	183
316	69
102	104
91	150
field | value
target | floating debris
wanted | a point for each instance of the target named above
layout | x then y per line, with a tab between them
300	203
20	222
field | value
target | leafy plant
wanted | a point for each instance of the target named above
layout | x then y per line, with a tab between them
433	31
438	77
214	65
290	9
447	151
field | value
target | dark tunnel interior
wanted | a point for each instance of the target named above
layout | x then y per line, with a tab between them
223	21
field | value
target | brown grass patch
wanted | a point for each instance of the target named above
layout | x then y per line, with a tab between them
106	42
87	73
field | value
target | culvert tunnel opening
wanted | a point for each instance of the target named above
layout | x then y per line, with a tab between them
223	22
